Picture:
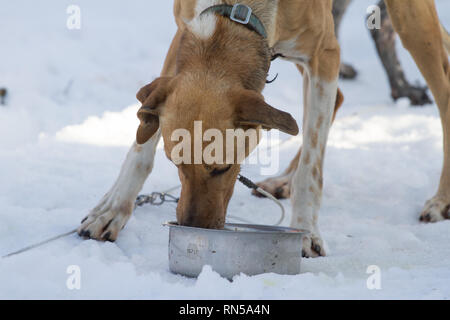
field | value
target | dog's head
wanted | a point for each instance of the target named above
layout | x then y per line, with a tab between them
198	112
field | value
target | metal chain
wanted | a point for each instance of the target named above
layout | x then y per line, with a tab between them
155	199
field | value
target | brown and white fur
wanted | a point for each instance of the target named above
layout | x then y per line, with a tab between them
302	31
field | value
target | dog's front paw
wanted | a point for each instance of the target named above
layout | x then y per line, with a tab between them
106	220
436	209
313	246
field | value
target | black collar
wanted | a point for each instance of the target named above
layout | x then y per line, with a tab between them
240	13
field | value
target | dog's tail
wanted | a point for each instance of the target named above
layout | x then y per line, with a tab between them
446	38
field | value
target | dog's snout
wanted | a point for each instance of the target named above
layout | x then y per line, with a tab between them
200	217
189	219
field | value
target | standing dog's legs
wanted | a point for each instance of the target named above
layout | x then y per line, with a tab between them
417	23
106	220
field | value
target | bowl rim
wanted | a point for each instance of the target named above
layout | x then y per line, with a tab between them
257	229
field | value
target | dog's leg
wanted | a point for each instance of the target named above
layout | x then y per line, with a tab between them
318	53
307	182
416	21
106	220
385	39
339	9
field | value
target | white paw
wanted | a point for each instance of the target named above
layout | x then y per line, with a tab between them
107	219
435	210
313	246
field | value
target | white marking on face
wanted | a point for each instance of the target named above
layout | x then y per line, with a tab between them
203	26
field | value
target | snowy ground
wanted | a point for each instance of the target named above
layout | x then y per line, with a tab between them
70	118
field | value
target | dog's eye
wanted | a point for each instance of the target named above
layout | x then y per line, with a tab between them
217	172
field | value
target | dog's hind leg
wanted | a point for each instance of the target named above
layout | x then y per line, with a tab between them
105	221
385	39
339	9
417	23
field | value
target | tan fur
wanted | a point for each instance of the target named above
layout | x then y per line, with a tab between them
286	21
446	38
217	80
311	24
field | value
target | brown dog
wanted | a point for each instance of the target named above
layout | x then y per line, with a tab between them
214	73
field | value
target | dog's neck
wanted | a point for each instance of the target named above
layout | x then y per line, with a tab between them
265	10
222	48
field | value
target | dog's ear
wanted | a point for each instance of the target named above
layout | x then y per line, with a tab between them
252	110
152	96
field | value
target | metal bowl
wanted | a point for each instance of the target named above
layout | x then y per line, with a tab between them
238	248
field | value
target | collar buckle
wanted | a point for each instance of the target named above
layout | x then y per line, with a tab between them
241	13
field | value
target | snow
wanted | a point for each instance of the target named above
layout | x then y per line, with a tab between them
70	118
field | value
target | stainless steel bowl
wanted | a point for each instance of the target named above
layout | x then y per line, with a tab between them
238	248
